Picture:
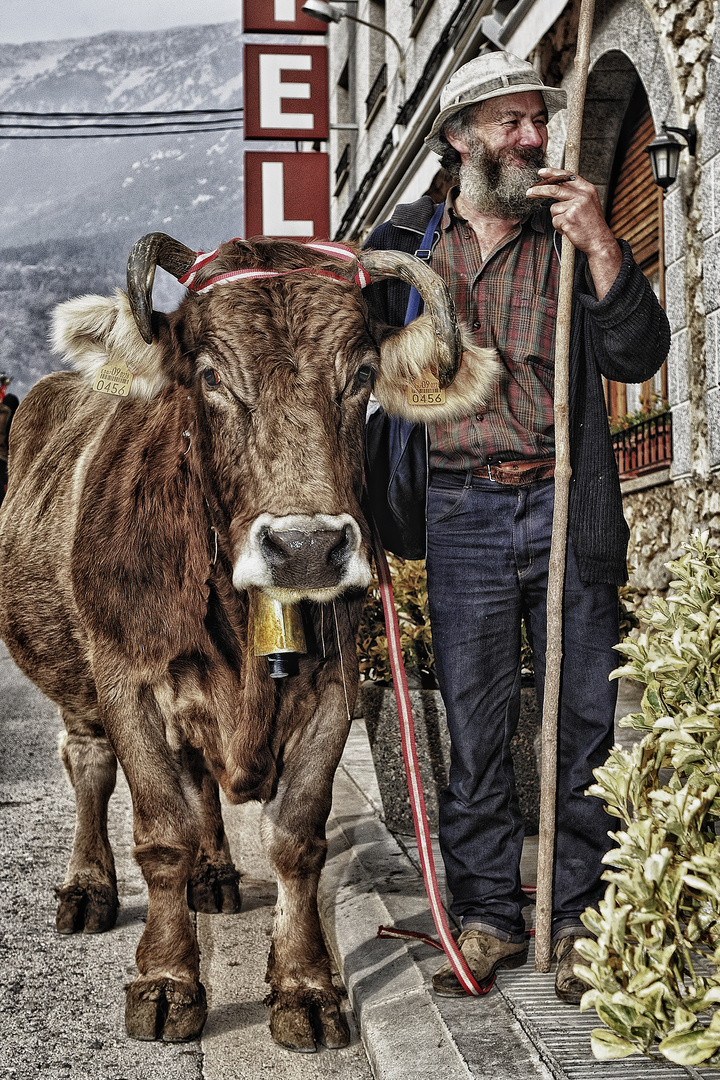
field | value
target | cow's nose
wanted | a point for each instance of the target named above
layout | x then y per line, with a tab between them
315	559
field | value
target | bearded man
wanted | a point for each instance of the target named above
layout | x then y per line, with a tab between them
490	497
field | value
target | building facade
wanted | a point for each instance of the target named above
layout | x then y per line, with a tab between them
653	62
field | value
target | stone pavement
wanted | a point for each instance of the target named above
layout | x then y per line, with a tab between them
519	1031
62	999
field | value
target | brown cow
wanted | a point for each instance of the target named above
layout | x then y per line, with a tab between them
136	534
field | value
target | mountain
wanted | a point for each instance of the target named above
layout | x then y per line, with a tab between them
71	208
80	186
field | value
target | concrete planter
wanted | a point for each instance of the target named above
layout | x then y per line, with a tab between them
376	704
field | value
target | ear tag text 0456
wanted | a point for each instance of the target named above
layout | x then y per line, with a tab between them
115	379
425	390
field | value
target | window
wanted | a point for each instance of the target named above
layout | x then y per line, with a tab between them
377	95
342	171
343	98
418	11
377	68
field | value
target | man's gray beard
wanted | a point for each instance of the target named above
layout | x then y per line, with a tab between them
496	186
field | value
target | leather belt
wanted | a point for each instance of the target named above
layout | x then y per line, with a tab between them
517	473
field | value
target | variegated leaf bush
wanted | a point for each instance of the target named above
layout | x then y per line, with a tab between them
653	965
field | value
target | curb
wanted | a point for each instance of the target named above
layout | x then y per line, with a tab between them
368	881
399	1022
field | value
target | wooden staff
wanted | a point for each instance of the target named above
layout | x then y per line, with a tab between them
556	573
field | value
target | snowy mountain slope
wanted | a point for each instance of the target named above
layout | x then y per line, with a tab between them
190	67
70	209
79	187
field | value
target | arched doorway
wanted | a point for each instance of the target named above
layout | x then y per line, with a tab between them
634	213
617	128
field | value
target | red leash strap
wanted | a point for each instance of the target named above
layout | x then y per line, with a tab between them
415	935
412	772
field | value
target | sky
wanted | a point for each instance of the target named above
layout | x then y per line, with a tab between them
43	20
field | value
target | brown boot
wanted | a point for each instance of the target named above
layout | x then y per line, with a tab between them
568	987
484	955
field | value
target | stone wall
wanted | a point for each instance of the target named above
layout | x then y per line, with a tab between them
686	30
661	520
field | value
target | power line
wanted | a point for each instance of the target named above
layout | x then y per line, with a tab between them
188	121
125	134
112	115
189	124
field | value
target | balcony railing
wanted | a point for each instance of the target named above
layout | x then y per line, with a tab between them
644	447
377	94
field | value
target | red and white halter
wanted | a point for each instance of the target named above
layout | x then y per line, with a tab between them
338	251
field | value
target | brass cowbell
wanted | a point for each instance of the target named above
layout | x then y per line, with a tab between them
278	633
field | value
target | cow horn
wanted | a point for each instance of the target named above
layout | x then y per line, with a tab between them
438	302
154	249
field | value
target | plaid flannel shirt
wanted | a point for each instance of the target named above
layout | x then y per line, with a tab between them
509	302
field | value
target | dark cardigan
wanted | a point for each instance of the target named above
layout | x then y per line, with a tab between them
625	337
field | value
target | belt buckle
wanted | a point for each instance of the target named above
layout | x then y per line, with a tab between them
489	473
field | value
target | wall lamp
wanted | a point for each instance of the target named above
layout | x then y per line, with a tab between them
327	13
665	152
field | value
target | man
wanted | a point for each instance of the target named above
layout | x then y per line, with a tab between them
8	405
490	497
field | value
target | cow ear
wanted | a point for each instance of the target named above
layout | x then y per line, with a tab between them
407	354
91	331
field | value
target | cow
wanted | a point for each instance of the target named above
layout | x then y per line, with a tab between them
188	465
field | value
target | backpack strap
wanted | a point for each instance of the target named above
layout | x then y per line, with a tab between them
423	252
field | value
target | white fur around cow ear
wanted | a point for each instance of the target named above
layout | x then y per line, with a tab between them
406	355
91	331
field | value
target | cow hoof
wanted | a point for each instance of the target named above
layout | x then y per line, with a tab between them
186	1016
164	1009
211	891
290	1027
229	898
93	909
331	1025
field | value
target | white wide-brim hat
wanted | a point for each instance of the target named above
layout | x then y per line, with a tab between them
491	75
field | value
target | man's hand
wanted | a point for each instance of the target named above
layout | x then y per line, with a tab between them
576	213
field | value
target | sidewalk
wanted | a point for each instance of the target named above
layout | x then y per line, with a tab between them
519	1031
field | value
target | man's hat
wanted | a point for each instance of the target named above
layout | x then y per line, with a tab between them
491	75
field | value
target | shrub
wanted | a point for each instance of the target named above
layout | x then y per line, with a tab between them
653	967
658	407
411	601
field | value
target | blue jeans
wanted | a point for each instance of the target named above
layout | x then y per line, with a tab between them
487	564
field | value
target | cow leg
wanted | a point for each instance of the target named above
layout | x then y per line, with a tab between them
167	1000
88	897
213	884
304	1003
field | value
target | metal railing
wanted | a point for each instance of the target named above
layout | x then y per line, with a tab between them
377	90
644	447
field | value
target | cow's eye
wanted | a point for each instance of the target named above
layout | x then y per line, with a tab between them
211	377
363	377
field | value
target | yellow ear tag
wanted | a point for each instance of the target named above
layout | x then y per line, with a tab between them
115	379
425	390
